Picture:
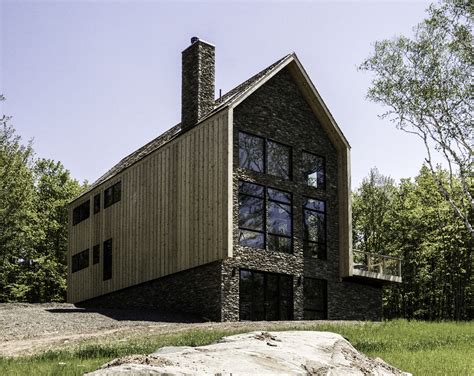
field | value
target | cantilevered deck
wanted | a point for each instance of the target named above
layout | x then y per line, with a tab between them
373	267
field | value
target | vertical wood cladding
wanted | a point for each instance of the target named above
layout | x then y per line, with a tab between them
172	214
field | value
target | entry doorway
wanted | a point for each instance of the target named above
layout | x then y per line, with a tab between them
265	296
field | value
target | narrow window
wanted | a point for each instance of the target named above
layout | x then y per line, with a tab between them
80	261
315	299
278	160
97	203
81	213
251	152
279	221
112	194
96	254
314	170
314	228
251	215
107	264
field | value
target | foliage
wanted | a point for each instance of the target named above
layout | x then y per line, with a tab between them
33	221
405	345
425	83
411	220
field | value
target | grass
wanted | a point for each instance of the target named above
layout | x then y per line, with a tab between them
422	348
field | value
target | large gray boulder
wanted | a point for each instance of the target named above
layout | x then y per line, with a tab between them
276	353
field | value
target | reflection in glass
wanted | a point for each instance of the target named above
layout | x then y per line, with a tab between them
313	167
251	152
278	160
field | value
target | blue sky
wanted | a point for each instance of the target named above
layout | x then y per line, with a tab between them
91	81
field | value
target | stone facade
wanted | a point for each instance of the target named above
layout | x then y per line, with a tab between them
279	112
195	291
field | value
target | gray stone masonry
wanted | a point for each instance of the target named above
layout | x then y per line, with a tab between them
279	112
198	82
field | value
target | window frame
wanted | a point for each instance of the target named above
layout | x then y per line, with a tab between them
324	310
76	265
113	199
323	187
264	198
106	254
96	254
78	218
305	241
265	156
265	232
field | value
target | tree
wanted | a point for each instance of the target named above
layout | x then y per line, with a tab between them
425	83
34	194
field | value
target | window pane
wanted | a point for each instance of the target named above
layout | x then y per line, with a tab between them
314	226
112	194
279	218
279	243
251	152
80	213
278	160
317	250
251	189
80	261
96	254
315	205
315	298
107	264
313	167
276	195
251	212
251	239
97	203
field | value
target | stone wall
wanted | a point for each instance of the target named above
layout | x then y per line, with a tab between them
195	291
278	111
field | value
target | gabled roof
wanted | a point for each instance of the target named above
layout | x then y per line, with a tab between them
231	99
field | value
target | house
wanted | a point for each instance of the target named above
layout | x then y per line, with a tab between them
240	212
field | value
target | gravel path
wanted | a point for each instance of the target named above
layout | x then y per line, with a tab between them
30	328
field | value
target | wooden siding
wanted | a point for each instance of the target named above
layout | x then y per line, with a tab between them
173	214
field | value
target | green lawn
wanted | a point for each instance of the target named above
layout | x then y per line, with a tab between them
422	348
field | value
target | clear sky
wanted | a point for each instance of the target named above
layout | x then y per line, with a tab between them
91	81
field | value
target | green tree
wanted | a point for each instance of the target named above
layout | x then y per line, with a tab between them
33	221
425	84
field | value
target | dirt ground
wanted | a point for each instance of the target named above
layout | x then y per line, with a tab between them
31	328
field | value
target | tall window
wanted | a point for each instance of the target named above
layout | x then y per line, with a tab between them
96	254
80	261
265	217
314	170
81	213
112	194
314	228
251	152
107	264
260	155
279	220
315	299
278	159
251	215
97	203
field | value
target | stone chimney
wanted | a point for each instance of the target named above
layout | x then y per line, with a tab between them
198	82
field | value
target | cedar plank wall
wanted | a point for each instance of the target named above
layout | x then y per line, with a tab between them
172	215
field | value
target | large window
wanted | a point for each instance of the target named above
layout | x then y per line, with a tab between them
260	155
314	216
80	261
112	194
279	221
107	264
315	299
251	215
265	217
314	171
81	213
265	296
